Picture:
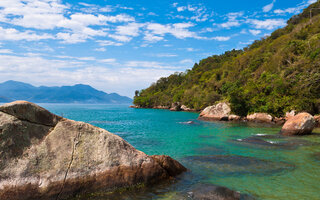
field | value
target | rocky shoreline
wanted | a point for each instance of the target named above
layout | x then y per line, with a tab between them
300	124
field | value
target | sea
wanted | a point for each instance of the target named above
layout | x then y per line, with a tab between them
250	158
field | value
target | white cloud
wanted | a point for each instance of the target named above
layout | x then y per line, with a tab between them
108	60
255	32
120	38
268	7
123	79
15	35
294	10
221	38
131	29
162	55
268	24
148	64
178	30
186	61
152	38
199	12
233	20
102	49
5	51
108	43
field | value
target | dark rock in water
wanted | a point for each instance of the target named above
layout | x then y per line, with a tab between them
214	192
234	165
44	156
281	143
210	150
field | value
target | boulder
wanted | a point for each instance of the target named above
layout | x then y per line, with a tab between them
185	108
300	124
279	120
161	107
172	166
260	117
292	113
317	119
234	118
44	156
220	111
175	106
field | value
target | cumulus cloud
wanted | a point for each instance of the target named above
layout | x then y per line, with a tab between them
15	35
123	79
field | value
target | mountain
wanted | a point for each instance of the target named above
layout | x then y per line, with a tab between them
276	74
14	90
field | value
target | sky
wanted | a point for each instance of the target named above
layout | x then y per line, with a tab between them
125	45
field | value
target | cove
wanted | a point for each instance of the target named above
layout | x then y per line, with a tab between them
250	158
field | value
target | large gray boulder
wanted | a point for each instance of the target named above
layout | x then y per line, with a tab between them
300	124
220	111
44	156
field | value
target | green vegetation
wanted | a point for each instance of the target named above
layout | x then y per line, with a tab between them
274	75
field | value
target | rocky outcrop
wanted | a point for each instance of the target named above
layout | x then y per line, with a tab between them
44	156
300	124
260	117
175	107
234	118
185	108
220	111
161	107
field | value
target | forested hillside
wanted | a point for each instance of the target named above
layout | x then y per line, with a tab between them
275	74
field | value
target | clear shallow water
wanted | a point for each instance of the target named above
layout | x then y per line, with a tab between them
248	158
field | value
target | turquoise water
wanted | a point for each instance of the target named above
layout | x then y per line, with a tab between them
248	158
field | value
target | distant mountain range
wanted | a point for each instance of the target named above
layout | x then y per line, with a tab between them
14	90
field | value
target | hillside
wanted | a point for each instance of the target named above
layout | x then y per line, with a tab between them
13	90
274	75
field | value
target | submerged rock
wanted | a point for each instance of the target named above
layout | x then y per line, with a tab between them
215	192
300	124
44	156
235	165
260	117
220	111
280	143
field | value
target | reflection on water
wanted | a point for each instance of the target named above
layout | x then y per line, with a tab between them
250	158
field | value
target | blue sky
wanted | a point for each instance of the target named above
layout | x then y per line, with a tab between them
120	46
